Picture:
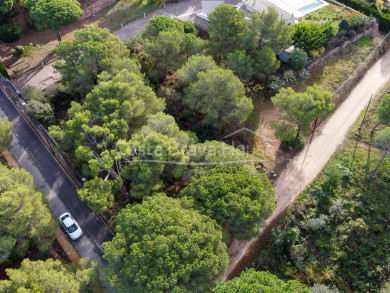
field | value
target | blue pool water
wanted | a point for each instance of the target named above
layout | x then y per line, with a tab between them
310	6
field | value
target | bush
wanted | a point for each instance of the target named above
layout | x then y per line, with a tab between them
32	93
289	76
42	112
370	9
298	59
304	74
287	136
321	50
3	71
10	32
344	25
314	53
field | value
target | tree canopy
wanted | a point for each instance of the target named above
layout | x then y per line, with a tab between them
162	245
51	276
6	6
227	29
92	51
5	134
161	148
24	216
162	23
116	108
268	29
302	108
251	281
220	96
52	14
236	198
189	71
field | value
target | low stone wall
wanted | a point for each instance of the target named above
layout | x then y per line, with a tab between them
330	54
96	7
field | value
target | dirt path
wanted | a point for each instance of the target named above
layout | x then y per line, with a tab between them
306	166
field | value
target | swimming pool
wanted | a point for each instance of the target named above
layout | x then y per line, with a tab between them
312	6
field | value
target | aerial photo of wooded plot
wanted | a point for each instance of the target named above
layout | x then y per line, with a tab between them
194	146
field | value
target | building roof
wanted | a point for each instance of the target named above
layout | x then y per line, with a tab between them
287	8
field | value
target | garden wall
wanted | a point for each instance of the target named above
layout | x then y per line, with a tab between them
96	7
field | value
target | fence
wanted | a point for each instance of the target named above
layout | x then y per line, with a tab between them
348	85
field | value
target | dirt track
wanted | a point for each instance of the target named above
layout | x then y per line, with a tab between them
306	166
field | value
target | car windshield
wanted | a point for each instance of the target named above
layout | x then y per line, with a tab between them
72	228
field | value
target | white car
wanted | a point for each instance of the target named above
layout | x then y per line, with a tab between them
70	225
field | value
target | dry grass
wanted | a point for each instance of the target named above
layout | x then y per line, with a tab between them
335	72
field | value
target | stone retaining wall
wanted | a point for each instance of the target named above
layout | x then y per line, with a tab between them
96	7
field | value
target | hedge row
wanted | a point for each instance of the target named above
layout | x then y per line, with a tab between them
3	71
370	9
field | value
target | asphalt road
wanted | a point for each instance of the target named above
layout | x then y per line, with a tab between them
33	156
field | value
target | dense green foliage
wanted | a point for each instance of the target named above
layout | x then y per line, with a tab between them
98	194
267	28
298	59
92	51
251	281
52	14
310	35
5	134
10	32
51	276
162	148
6	6
302	108
41	112
161	245
220	96
370	9
162	23
123	103
236	198
226	30
383	111
189	71
24	217
3	71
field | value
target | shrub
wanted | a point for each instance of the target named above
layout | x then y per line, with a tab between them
3	71
289	76
189	28
344	25
310	35
314	53
19	50
298	59
10	32
287	136
321	50
304	74
275	85
42	112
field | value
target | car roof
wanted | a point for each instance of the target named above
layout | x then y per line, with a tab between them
68	221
